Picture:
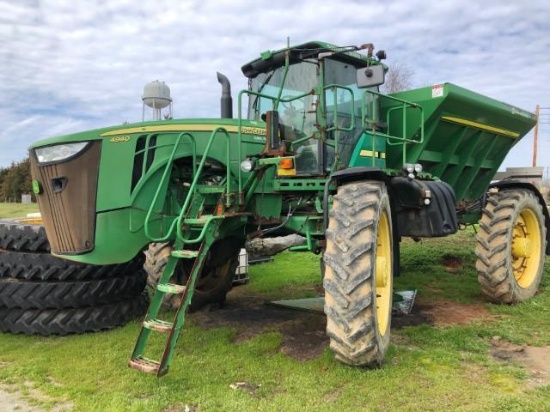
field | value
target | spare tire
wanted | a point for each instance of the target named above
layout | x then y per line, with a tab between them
46	267
21	235
72	321
28	294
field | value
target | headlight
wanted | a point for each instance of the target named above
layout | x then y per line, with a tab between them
59	151
247	165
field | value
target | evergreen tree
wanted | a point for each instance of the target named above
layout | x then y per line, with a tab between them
15	181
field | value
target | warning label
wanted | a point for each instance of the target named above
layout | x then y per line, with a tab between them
437	90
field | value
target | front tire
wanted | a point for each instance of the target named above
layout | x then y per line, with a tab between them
359	274
213	283
511	246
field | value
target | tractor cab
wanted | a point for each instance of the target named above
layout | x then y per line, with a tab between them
312	100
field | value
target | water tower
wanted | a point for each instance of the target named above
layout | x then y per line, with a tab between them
156	95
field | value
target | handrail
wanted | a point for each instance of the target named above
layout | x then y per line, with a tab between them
335	114
266	96
192	189
404	106
335	109
200	237
165	175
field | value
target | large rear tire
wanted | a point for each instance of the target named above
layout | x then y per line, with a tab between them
214	282
511	245
359	274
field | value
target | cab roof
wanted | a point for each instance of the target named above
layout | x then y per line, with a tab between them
272	59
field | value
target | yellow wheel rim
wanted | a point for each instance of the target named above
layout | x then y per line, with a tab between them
526	248
383	275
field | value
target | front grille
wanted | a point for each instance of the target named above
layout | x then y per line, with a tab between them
67	200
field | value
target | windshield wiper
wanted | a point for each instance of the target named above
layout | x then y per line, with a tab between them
265	82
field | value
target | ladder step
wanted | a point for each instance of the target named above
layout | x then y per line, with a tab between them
211	189
144	365
171	288
158	325
185	254
199	220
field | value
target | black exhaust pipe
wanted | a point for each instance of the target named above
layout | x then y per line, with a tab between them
226	100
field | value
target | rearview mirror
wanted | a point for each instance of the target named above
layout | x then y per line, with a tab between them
370	76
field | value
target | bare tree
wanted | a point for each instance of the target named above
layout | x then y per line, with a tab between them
545	190
398	78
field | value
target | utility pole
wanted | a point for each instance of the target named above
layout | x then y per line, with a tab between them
536	134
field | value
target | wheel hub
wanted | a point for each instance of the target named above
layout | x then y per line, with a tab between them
521	248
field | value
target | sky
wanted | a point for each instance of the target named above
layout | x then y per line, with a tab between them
68	66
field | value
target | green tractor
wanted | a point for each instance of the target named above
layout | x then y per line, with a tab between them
319	152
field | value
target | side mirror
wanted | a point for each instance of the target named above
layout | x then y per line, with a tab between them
370	76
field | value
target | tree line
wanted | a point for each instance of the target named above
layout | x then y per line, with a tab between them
15	181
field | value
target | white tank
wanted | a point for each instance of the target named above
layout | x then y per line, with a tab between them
156	95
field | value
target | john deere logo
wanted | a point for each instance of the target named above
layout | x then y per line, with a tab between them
119	139
36	187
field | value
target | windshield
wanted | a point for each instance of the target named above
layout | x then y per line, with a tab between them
297	113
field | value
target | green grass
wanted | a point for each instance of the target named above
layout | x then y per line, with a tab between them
428	368
9	210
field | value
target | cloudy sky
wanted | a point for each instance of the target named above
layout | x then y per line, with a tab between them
68	66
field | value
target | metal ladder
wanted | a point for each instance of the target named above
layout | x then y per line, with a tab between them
193	221
152	322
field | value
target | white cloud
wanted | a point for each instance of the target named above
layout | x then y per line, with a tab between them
69	66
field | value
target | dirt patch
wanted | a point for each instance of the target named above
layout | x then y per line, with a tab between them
305	340
303	332
451	263
535	360
445	313
415	318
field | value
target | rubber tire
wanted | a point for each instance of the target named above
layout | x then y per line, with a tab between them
72	321
356	336
26	294
219	268
23	237
495	241
45	267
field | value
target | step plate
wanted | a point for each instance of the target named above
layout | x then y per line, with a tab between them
158	325
171	288
144	365
184	254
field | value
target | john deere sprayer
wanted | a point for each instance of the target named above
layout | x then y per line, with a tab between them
316	150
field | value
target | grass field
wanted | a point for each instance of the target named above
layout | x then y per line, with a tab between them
9	210
442	361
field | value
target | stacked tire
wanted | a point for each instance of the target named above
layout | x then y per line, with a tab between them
44	295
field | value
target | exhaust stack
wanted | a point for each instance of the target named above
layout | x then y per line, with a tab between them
226	100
